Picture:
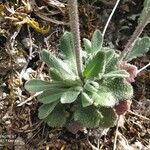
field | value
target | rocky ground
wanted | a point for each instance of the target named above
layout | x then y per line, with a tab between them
27	27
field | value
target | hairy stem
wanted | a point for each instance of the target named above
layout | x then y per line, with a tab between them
134	37
74	24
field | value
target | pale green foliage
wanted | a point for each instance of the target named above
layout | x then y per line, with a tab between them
96	42
145	12
89	100
91	68
141	47
58	117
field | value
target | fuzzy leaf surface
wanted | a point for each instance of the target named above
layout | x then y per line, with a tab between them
145	12
67	48
121	89
40	85
58	117
111	64
70	96
56	75
50	96
109	53
141	47
88	116
37	85
86	100
117	73
87	45
67	45
104	98
97	41
56	63
109	117
95	65
46	109
90	87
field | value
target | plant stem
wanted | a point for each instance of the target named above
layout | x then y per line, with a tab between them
107	23
74	24
134	37
116	135
144	68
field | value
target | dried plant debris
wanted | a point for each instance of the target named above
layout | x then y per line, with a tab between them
28	26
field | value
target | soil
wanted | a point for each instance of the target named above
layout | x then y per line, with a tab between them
20	45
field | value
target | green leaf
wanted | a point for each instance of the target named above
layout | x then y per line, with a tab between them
67	48
146	11
87	45
37	85
88	116
117	73
67	83
90	87
97	41
67	45
111	65
58	76
50	96
120	88
55	74
86	100
46	109
141	47
109	53
45	57
109	117
95	65
147	4
40	85
69	96
58	117
104	98
56	63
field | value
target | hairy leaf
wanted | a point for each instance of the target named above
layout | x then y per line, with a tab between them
87	45
58	117
40	85
117	73
120	88
56	63
145	12
67	45
104	98
88	116
56	75
111	65
67	48
37	85
109	53
46	109
90	87
109	117
97	41
50	96
86	100
95	65
141	47
147	4
70	96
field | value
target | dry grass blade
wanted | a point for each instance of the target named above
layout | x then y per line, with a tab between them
44	17
140	116
29	99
